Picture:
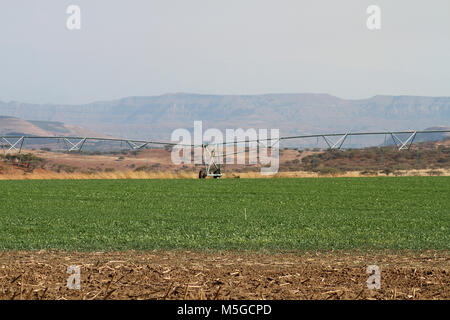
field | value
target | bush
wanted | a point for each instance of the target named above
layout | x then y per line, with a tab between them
142	168
328	170
435	173
369	173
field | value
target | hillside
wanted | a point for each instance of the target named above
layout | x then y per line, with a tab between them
19	127
158	116
434	136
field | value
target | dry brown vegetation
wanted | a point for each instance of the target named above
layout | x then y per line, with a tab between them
423	159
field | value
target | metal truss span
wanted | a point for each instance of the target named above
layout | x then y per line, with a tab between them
329	138
15	143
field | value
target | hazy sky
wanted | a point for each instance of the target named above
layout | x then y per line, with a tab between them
151	47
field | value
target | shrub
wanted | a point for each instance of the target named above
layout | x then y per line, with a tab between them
142	168
328	170
435	173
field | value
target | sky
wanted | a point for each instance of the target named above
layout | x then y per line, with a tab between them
152	47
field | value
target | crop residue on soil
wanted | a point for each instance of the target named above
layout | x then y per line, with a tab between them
193	275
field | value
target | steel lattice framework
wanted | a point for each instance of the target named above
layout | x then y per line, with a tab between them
15	143
76	143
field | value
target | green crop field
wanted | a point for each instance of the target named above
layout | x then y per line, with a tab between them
281	214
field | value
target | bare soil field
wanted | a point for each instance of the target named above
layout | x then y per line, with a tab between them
223	275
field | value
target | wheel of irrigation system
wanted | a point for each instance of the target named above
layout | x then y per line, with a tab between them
201	174
217	172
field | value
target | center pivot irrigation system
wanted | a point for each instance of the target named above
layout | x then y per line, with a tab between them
211	165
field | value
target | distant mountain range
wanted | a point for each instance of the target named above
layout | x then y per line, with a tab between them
157	116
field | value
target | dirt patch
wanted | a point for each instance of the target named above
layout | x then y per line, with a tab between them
193	275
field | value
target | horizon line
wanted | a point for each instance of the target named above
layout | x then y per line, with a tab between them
226	95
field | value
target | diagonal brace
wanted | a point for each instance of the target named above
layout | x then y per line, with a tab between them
335	145
76	146
135	146
402	145
12	146
407	144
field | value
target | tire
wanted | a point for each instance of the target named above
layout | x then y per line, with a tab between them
201	174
